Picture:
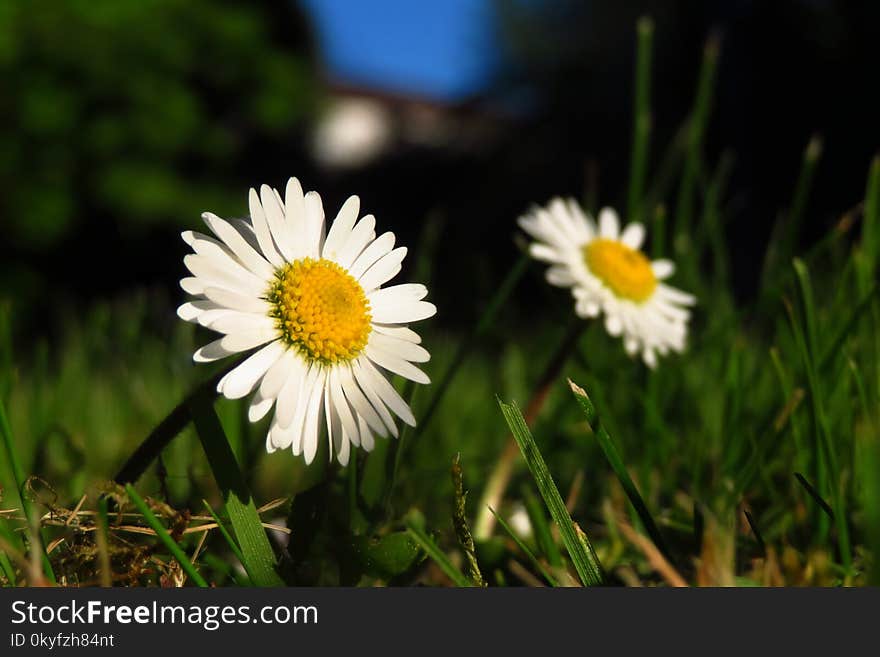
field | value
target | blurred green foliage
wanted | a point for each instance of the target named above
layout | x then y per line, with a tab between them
139	111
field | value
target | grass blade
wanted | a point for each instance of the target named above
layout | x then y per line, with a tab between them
525	549
812	492
165	537
541	528
432	550
699	117
641	119
578	545
167	430
233	546
459	521
617	465
257	554
19	479
809	355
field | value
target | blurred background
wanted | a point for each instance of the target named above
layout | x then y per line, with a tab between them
120	122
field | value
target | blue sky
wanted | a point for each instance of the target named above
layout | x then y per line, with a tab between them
439	49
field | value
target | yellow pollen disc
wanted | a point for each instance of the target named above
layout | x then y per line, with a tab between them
626	271
321	309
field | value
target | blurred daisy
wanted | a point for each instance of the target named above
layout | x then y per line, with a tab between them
312	305
607	273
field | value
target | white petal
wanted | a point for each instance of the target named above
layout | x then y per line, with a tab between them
261	228
560	276
364	381
295	219
235	301
212	351
386	268
259	407
362	234
675	295
210	316
663	268
232	277
293	388
341	228
344	451
609	226
547	253
248	339
278	374
233	239
402	348
367	442
314	224
334	388
400	303
372	381
244	378
633	235
237	322
391	309
192	285
613	325
394	363
312	419
302	404
279	229
380	246
399	332
359	402
190	310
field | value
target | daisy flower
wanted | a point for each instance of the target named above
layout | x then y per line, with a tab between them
312	305
607	273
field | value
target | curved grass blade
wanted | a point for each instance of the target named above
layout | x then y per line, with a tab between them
617	465
432	550
165	537
525	548
233	546
580	550
173	423
257	554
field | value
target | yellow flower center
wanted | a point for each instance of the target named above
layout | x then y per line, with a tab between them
321	310
626	271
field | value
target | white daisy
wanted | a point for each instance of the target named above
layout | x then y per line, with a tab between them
313	307
607	273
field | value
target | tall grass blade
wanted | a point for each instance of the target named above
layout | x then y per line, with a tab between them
432	550
579	548
257	554
699	118
541	529
641	119
233	546
18	477
175	422
525	549
616	463
459	521
171	545
828	452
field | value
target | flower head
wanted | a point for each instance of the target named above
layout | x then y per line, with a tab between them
311	305
607	273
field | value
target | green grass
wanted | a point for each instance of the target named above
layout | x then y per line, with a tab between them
725	457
